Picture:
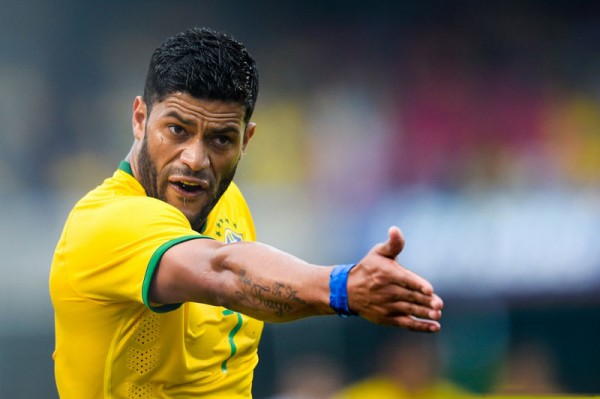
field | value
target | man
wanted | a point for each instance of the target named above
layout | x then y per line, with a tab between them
146	304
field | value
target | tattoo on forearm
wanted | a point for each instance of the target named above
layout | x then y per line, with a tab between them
277	297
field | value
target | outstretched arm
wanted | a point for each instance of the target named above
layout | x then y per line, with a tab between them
271	285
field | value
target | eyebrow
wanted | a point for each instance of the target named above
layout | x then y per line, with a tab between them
191	122
181	119
225	129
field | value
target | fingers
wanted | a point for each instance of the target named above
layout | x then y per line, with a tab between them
391	249
414	282
384	292
416	318
401	307
410	322
436	303
393	246
420	311
428	306
416	324
405	302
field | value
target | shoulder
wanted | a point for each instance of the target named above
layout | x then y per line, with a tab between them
233	201
119	208
122	198
233	193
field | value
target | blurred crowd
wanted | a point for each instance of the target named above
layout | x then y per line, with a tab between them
359	100
407	366
451	95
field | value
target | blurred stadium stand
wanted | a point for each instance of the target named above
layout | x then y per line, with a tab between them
474	126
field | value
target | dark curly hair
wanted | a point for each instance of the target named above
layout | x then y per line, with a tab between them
205	64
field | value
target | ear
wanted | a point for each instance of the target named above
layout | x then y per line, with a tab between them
250	128
138	119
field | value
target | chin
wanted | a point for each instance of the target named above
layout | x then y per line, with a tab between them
197	219
190	215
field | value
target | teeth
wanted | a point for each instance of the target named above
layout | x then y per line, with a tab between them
189	183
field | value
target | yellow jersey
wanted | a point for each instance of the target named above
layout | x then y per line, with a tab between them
111	342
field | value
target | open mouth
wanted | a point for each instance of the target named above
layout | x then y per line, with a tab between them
188	187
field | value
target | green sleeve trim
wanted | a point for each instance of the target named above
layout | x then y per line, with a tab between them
153	264
126	167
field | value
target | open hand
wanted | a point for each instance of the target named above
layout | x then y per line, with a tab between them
383	292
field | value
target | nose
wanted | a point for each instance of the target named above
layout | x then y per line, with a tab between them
195	156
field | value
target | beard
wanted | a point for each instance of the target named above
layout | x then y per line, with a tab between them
149	180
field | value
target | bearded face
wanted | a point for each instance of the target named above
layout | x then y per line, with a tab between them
156	186
189	152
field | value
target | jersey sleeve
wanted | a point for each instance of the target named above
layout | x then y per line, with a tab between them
114	253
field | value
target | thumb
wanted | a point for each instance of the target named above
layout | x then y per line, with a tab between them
393	246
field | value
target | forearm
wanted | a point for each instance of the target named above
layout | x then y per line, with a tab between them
251	278
271	285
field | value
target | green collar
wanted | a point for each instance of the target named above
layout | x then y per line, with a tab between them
126	167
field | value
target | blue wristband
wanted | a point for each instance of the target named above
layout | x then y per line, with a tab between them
338	290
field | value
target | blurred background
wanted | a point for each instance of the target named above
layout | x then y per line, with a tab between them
472	125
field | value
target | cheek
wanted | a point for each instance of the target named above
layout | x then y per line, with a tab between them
162	152
223	166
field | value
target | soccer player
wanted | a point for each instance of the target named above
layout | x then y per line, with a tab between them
158	287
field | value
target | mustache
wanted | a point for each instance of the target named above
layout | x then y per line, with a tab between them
186	172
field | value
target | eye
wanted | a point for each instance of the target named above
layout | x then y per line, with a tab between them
222	141
176	130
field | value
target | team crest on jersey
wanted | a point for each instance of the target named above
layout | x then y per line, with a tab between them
227	231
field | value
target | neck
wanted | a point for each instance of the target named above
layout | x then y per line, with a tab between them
132	158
